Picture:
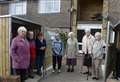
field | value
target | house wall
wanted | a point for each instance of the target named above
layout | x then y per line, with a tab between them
61	19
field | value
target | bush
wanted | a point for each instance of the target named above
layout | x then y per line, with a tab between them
63	36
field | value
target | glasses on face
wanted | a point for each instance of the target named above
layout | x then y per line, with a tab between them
24	31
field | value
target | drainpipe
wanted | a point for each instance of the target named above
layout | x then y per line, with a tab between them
70	15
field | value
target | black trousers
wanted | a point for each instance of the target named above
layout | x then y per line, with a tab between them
57	60
22	73
40	62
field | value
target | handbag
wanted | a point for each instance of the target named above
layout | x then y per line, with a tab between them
87	60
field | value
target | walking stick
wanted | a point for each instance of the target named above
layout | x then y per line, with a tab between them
44	69
88	73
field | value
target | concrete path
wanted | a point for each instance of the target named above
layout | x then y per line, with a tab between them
65	76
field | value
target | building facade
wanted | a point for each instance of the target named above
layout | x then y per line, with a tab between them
36	15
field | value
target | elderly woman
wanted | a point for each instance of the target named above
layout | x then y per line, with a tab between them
57	48
32	53
20	53
87	44
40	56
71	51
98	53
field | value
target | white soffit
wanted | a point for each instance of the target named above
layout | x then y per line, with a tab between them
91	26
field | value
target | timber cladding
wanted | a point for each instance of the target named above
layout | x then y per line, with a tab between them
4	44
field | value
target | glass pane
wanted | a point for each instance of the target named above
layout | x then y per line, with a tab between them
49	6
18	8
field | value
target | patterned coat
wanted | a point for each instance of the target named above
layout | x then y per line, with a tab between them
20	53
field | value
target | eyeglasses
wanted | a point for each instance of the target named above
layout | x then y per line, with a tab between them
24	31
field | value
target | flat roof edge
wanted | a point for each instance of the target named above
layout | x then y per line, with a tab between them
2	16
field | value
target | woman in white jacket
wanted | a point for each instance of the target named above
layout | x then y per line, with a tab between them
87	44
98	54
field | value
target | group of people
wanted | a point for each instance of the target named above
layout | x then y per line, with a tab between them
94	50
28	53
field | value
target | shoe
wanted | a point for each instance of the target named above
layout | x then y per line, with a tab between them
72	70
39	73
22	80
68	70
30	76
90	74
59	71
53	71
97	78
94	78
85	72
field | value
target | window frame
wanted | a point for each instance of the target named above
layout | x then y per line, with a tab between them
18	8
46	9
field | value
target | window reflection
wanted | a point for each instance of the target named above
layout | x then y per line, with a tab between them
19	8
49	6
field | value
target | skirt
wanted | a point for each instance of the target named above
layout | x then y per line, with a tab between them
71	61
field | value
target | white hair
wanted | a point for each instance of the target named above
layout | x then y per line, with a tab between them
97	34
71	33
88	30
21	28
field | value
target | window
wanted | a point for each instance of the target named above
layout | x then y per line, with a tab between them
19	8
49	6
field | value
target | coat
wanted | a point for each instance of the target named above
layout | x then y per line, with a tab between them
72	48
32	50
87	43
40	54
98	49
20	53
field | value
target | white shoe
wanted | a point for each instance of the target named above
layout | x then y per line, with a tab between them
59	71
53	71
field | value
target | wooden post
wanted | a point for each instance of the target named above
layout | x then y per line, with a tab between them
105	19
74	16
5	22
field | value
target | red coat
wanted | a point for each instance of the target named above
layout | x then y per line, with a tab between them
32	50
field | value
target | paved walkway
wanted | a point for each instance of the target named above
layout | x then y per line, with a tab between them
65	76
112	80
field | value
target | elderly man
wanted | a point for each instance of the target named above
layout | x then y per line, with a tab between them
20	53
87	44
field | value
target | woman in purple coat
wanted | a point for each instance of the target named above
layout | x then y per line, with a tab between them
20	53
